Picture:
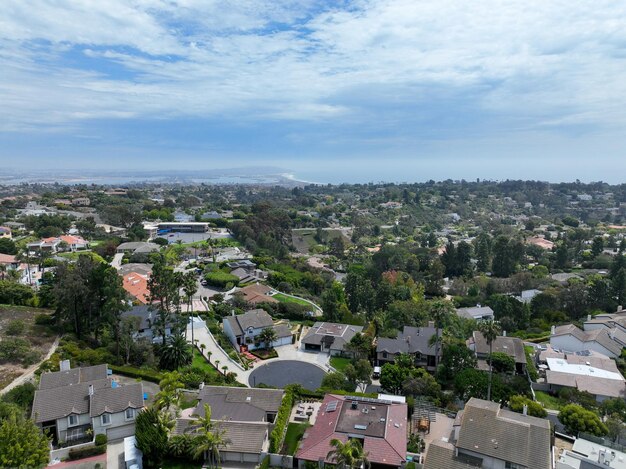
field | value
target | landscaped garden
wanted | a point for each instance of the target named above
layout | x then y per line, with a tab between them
294	434
339	363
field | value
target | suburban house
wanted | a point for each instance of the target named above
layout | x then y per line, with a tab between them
246	271
587	371
570	338
613	323
257	293
380	425
76	404
415	341
55	244
486	436
329	337
477	313
146	320
541	242
137	247
243	330
512	346
5	232
245	415
136	285
10	262
587	454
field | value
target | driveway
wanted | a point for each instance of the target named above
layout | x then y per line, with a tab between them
115	454
117	260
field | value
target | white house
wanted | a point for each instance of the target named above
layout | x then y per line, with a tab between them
243	330
570	338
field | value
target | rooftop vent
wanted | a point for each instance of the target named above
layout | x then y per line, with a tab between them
360	427
355	405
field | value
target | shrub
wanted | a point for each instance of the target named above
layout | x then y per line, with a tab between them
44	320
578	419
21	395
282	418
502	363
517	403
101	439
82	453
17	350
221	279
148	375
16	327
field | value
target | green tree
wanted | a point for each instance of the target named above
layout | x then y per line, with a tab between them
359	373
392	376
456	358
503	263
7	246
268	336
176	353
597	246
209	440
577	419
502	362
171	387
490	331
439	311
336	381
517	403
348	455
164	285
151	432
22	444
190	288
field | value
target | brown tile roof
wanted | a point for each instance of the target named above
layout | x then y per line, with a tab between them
499	433
7	259
388	449
257	293
137	286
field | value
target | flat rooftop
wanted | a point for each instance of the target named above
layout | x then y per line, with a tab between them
368	418
560	365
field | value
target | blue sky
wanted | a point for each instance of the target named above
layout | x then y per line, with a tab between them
334	91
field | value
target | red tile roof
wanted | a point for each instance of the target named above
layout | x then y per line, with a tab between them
388	450
69	239
137	286
7	259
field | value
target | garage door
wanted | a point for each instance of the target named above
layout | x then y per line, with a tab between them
120	432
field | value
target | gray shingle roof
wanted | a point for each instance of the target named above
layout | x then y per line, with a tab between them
256	318
239	404
410	340
441	455
242	437
489	430
58	402
57	379
338	335
512	346
475	312
117	399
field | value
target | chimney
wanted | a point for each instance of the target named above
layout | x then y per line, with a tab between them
201	387
589	317
64	365
553	330
478	305
620	308
90	390
232	312
503	333
525	409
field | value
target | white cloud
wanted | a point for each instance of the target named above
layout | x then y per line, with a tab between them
552	64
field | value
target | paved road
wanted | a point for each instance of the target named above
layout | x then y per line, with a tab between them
30	372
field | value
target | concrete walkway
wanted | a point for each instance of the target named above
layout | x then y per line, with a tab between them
116	263
204	336
30	372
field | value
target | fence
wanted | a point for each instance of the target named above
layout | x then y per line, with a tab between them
278	460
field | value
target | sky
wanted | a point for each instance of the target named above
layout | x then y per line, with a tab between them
331	91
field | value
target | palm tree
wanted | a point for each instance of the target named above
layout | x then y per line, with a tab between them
224	369
490	331
176	354
348	455
210	439
217	364
190	287
439	312
268	336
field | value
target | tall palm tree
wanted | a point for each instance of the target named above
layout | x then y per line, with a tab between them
439	311
348	455
190	287
176	354
490	331
209	439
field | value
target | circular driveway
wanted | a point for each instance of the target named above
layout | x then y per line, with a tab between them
280	373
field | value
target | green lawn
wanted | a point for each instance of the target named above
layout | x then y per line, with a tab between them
548	401
293	437
287	299
200	362
339	363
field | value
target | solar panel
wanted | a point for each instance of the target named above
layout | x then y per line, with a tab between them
331	406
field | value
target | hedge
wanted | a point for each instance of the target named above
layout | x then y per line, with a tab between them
282	419
101	439
221	278
131	372
82	453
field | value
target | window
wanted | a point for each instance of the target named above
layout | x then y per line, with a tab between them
130	414
384	354
512	465
72	420
105	419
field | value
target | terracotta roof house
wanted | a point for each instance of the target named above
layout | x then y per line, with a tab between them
380	425
329	337
541	242
486	435
257	293
512	346
245	415
243	330
137	286
412	340
76	404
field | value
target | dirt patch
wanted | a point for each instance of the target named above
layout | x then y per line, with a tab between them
39	338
